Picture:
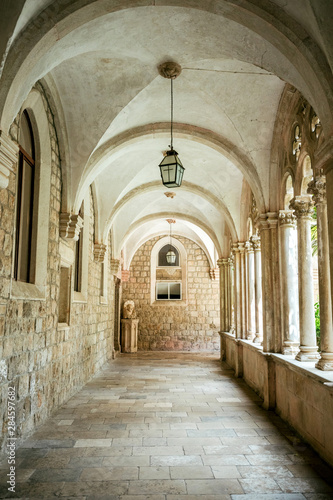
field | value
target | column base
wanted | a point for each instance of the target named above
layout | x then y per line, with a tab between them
325	362
257	339
290	348
307	353
250	336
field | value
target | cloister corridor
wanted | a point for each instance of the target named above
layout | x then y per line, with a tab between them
167	426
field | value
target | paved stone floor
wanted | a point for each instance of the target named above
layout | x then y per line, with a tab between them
167	426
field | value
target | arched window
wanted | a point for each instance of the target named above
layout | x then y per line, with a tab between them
78	257
168	280
26	194
163	261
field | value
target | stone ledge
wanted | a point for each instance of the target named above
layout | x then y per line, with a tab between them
308	369
27	291
79	297
179	303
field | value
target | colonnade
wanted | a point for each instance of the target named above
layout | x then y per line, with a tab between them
267	290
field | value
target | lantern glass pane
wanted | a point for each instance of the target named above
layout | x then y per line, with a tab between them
171	257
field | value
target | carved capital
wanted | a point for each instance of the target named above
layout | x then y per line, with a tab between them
70	226
114	266
241	246
248	247
287	218
303	207
8	157
256	243
317	188
222	262
99	252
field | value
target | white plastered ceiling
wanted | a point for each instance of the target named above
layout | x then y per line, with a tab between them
116	112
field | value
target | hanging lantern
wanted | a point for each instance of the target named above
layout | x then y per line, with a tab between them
171	167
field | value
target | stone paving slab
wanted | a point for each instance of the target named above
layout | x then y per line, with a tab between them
161	426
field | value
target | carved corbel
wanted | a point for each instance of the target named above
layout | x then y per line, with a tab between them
214	273
70	226
8	157
99	252
114	266
125	274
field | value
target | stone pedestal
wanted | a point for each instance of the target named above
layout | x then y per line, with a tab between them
129	335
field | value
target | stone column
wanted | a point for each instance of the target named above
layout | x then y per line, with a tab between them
221	264
303	211
227	295
270	282
289	284
255	240
237	292
318	189
241	246
231	294
251	326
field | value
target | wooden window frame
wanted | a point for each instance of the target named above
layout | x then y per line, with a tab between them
24	157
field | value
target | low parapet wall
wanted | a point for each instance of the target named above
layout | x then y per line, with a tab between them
298	392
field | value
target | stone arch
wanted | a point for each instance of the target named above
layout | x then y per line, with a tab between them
117	248
287	189
279	30
193	133
186	186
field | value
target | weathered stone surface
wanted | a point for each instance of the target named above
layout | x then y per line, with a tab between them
189	326
44	364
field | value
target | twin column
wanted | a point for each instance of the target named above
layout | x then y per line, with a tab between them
247	290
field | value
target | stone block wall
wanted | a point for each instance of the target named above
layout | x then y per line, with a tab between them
175	326
44	363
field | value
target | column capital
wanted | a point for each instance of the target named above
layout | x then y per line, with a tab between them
317	187
234	248
269	220
287	218
241	246
8	157
303	206
70	226
249	247
221	262
256	242
114	266
99	252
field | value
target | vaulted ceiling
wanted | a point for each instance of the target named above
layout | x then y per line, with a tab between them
98	60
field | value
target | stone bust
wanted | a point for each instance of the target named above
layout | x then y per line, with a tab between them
129	310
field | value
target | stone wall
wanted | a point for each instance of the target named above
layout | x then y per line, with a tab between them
44	363
192	326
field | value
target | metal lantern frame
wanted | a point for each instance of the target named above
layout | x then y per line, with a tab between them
171	168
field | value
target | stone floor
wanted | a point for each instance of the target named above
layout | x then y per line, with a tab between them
167	426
